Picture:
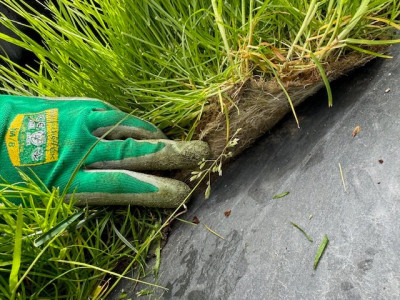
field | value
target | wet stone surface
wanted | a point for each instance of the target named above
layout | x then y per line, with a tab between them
263	256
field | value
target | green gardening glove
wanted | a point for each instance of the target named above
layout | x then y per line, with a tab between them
51	136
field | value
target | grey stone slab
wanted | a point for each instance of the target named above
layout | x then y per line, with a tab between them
263	256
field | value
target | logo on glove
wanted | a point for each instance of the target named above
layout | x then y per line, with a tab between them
32	139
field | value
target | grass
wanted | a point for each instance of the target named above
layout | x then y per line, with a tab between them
167	62
320	251
53	250
302	231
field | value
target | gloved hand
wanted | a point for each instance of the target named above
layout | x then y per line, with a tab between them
52	135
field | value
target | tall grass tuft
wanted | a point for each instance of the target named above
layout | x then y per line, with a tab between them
50	249
166	60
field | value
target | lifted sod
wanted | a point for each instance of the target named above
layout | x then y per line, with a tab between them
179	64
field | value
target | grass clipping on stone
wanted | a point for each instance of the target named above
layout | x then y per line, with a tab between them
197	69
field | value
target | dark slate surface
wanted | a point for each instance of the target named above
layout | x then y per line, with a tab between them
263	256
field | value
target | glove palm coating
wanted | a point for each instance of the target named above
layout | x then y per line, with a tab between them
52	135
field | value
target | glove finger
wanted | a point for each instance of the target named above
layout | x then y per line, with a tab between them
147	155
100	121
120	187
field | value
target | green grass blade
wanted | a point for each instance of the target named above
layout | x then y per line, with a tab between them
213	232
361	11
307	19
281	195
17	253
321	250
110	272
368	52
371	42
221	26
157	253
56	230
123	239
287	97
324	78
302	231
